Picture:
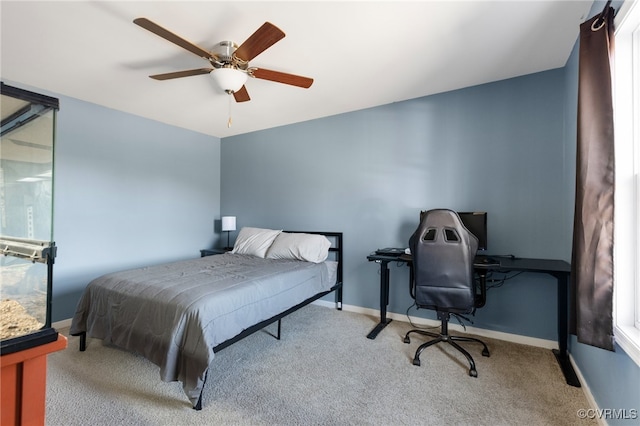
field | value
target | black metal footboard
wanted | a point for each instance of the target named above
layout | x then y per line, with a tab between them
249	331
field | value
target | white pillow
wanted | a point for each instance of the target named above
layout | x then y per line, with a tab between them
254	241
308	247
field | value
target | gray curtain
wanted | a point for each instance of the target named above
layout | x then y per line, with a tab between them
592	257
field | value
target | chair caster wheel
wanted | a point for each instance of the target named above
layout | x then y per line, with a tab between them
485	352
416	361
473	373
407	340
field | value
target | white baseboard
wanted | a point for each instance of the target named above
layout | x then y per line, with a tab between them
62	324
508	337
587	392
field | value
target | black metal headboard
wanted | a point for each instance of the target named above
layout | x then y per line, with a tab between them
336	247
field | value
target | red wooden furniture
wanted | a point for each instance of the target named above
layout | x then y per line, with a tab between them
23	380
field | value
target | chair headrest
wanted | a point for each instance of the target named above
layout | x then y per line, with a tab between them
444	226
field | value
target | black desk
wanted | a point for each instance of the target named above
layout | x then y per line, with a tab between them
557	268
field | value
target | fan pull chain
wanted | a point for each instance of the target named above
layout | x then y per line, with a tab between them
229	120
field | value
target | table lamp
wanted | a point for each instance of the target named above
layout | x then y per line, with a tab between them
228	225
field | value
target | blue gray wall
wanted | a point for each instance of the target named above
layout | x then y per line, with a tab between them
128	192
496	147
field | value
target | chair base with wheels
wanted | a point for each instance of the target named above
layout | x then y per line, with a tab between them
444	336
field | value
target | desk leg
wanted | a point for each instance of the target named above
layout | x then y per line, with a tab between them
384	300
562	356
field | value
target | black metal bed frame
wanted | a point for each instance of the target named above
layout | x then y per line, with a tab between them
259	326
336	249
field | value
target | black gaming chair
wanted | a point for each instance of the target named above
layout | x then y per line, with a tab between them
442	276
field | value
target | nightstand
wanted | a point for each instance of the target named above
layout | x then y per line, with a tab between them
211	252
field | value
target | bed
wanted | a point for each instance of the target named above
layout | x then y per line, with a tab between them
179	314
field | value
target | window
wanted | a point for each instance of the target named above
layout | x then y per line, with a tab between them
627	196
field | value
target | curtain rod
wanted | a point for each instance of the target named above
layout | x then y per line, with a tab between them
606	6
600	20
605	9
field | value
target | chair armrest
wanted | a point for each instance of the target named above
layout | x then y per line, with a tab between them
481	298
412	283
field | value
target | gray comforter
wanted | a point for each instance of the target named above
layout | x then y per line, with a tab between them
174	314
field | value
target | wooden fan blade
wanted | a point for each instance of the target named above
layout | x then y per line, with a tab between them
264	37
242	95
281	77
168	35
180	74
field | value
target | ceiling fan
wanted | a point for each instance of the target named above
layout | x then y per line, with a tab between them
230	62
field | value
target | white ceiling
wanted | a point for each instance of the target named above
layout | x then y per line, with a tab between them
360	53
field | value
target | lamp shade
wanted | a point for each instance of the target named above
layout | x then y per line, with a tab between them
228	223
229	79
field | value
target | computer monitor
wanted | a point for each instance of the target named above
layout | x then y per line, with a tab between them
476	222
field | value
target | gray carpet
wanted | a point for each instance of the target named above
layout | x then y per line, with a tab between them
324	371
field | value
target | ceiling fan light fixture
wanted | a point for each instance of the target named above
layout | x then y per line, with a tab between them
230	62
229	79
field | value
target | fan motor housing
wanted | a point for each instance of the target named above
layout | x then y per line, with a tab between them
224	58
